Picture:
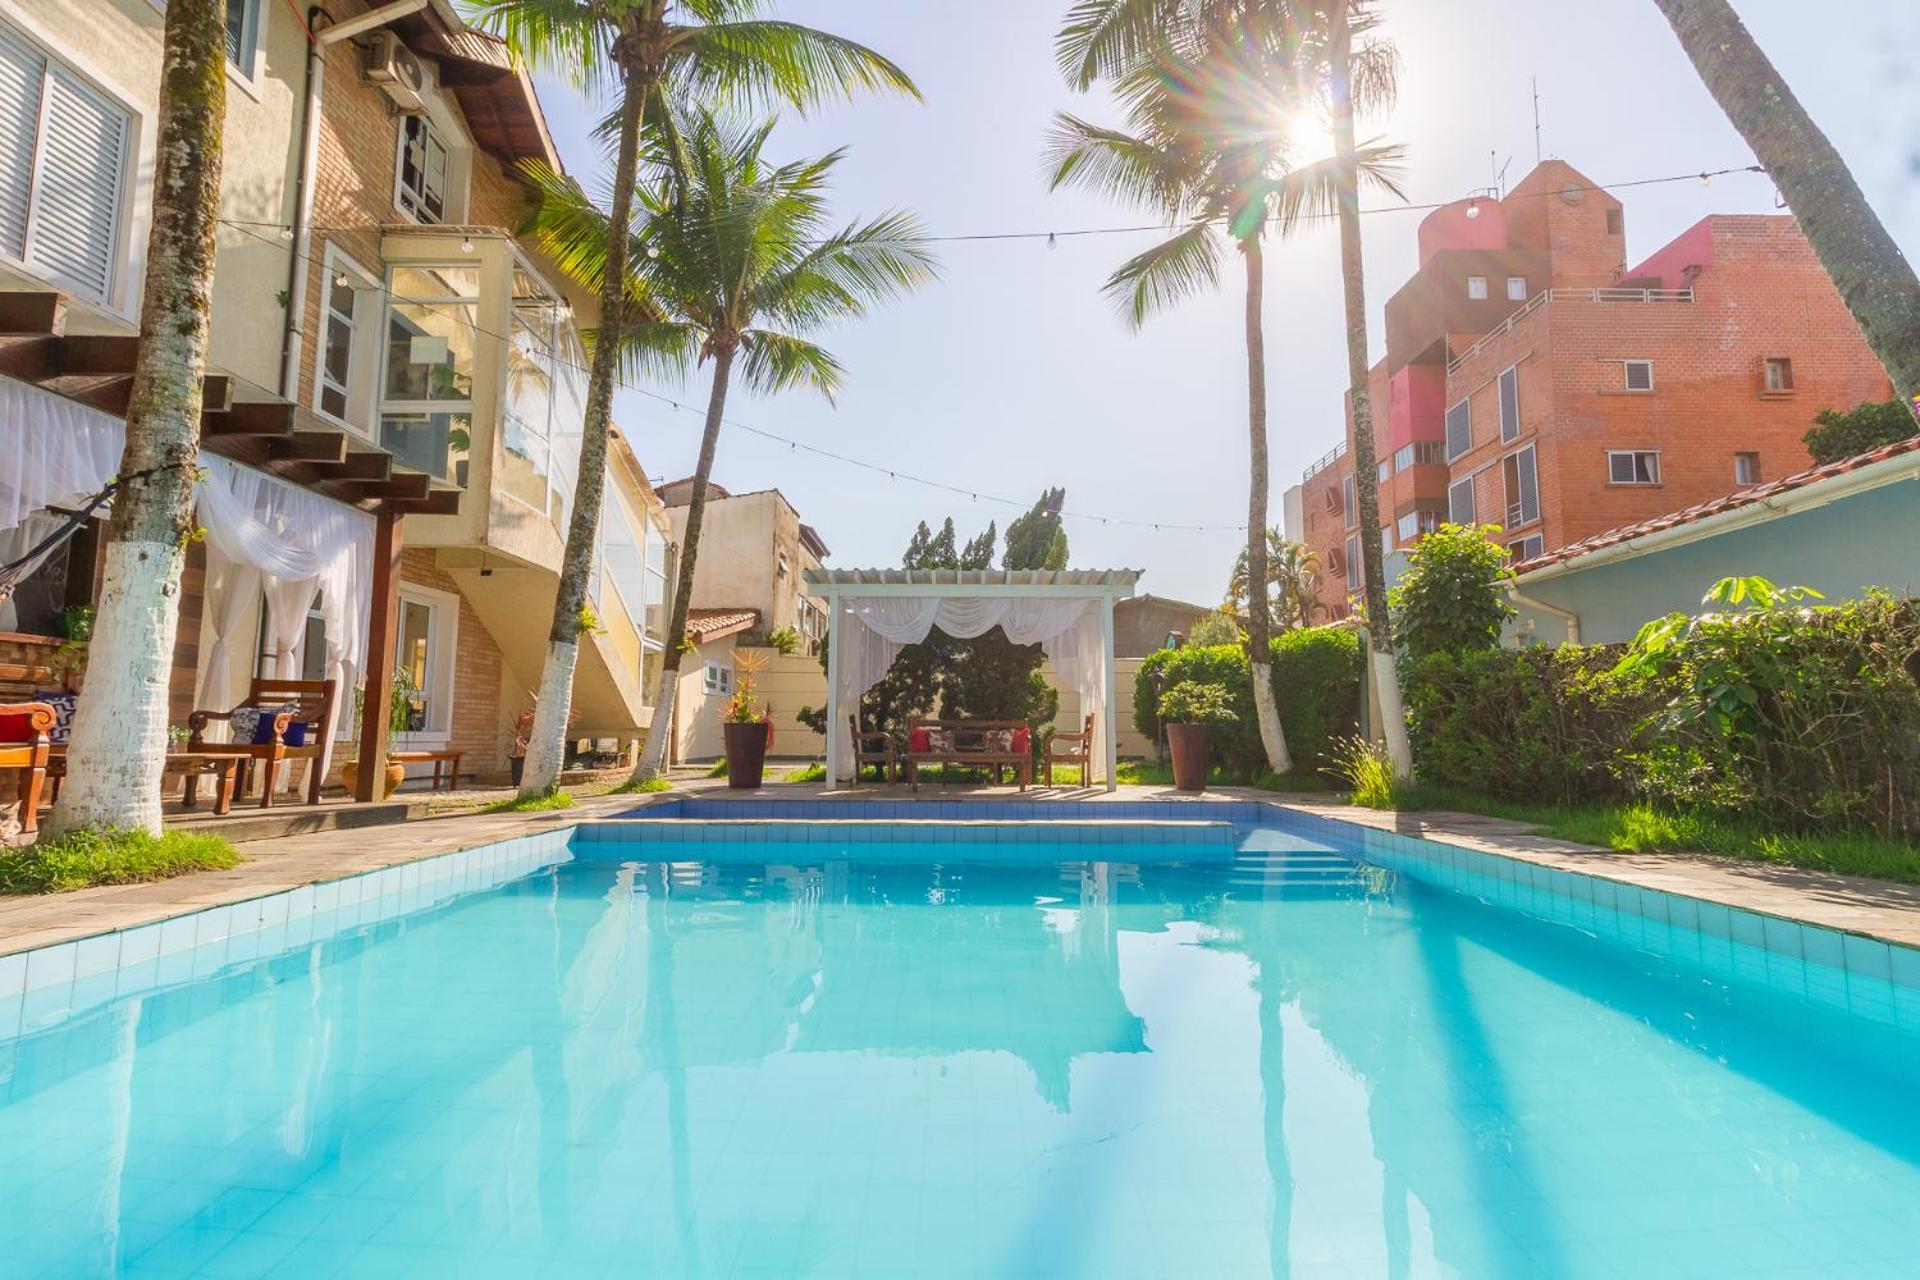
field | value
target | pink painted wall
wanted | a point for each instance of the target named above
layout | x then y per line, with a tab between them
1449	227
1416	405
1691	248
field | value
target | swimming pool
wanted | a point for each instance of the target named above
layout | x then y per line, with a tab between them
1056	1045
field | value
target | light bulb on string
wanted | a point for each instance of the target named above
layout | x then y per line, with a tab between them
286	233
466	244
653	251
1473	208
1053	241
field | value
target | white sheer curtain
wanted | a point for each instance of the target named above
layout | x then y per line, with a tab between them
302	547
873	630
17	542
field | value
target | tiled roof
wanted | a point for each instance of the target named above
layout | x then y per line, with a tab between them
973	577
1731	502
711	624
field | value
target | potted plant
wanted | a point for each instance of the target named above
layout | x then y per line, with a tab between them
748	727
399	720
76	639
1190	710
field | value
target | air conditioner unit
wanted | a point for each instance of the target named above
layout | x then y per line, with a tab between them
397	72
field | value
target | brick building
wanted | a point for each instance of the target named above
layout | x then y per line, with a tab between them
1535	382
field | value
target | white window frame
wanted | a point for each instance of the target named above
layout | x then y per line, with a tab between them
1633	455
1477	289
443	638
1767	366
717	678
1626	376
1350	501
363	353
1521	550
1356	568
1517	499
134	160
1383	471
1741	459
1509	429
1465	406
1454	502
1516	288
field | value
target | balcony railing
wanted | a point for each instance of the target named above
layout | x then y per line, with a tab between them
1545	296
1332	456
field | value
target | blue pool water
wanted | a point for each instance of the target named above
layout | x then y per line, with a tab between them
678	1051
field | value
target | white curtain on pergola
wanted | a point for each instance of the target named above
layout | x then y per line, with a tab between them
874	614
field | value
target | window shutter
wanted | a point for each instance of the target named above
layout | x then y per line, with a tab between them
1510	405
21	71
76	206
1460	502
1459	430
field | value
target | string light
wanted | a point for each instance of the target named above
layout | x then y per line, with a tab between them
466	244
1473	208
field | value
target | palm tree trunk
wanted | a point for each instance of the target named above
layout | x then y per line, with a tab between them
1386	679
546	741
652	761
1259	624
1873	276
119	741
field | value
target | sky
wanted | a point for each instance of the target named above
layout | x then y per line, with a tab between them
1013	373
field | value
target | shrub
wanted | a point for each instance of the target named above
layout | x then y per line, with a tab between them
785	641
1367	770
1316	687
1452	597
1191	702
1217	627
82	858
1860	429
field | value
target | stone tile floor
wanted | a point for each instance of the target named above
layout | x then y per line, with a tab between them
284	861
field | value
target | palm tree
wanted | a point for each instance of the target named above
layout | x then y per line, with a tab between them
738	256
1293	581
1866	265
1211	92
119	738
653	49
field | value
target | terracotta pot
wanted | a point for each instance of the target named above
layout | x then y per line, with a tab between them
1189	745
350	777
746	754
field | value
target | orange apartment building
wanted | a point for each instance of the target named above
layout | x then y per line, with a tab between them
1535	382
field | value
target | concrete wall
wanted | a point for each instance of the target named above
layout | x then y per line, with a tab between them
1869	539
742	540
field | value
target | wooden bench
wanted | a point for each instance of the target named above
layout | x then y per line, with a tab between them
971	743
435	758
223	769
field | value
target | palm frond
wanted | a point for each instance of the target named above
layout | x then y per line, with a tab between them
1100	39
847	273
568	227
653	348
571	39
774	362
1170	272
764	61
1313	191
1121	165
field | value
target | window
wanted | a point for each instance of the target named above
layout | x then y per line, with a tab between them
423	657
1639	374
1746	469
1414	523
1516	288
1633	466
1477	288
349	340
1527	548
1384	470
1460	502
1510	405
545	400
1419	453
1779	375
422	189
1522	482
1459	430
717	678
426	406
1349	506
63	160
1613	222
1354	568
242	33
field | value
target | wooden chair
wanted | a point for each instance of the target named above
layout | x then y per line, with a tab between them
312	701
1069	748
24	745
865	754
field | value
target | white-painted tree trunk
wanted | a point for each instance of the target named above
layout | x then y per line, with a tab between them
1273	736
1393	715
652	762
121	723
547	742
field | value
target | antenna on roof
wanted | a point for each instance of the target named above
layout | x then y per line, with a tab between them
1539	154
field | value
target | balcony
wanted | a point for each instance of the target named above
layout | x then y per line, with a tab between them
1548	296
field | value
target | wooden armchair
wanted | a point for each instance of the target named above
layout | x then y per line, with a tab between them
873	746
1069	748
312	703
24	745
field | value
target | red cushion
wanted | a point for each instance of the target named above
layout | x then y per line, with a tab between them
16	728
920	741
1022	741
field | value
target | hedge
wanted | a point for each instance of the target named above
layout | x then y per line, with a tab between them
1316	686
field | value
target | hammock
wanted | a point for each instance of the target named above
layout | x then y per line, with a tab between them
14	571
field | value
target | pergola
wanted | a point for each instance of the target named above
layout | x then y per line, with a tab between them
875	613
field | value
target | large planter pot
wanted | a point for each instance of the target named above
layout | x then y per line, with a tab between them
1189	745
350	777
746	754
